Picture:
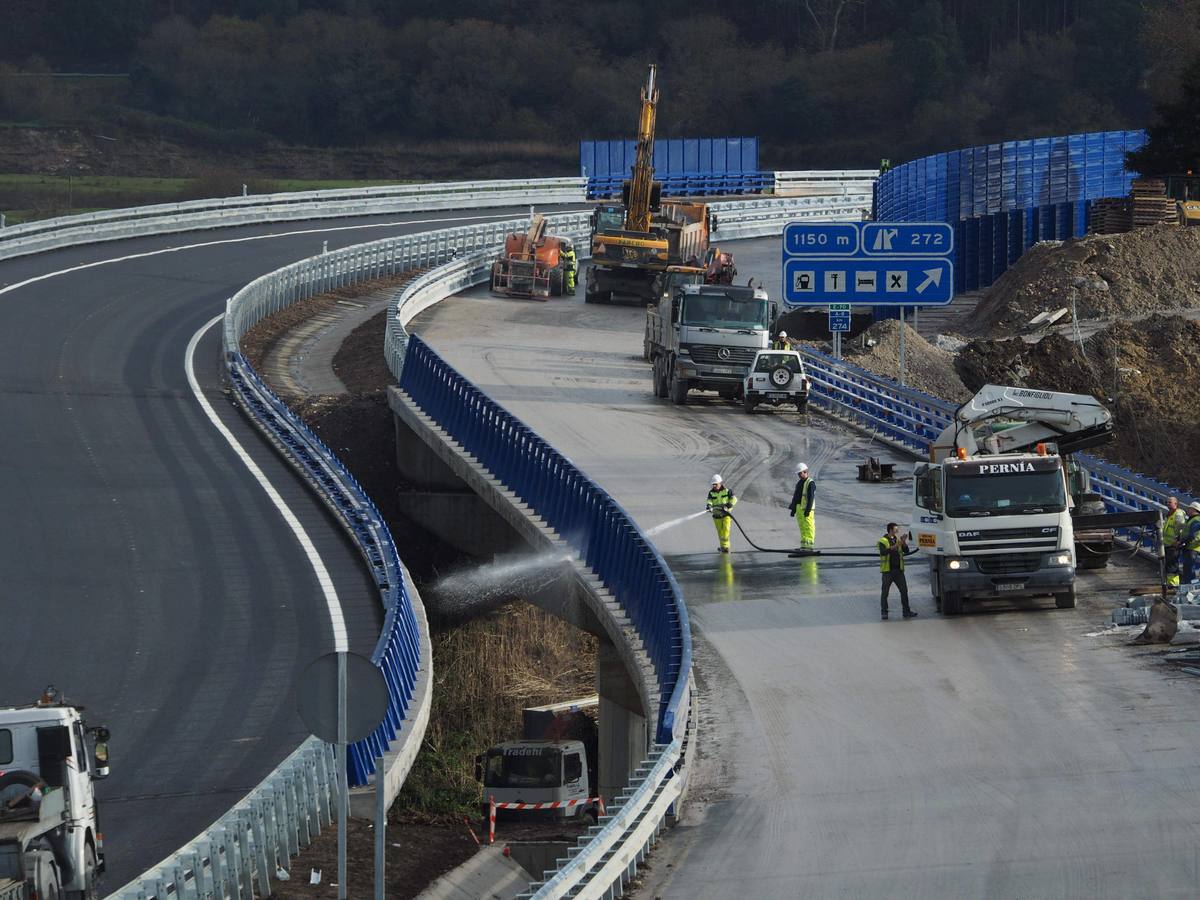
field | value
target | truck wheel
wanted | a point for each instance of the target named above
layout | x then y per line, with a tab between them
90	891
646	350
588	817
556	282
1065	600
951	603
678	389
802	403
660	380
748	404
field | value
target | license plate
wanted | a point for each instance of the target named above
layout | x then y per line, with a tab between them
777	395
724	370
1011	587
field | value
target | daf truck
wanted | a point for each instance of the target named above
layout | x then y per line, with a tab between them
992	506
51	845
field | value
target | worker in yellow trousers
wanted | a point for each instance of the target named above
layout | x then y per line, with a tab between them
802	507
570	267
1172	530
720	501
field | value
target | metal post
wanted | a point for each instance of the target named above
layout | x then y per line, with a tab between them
902	345
324	246
3	221
343	780
243	190
380	828
916	319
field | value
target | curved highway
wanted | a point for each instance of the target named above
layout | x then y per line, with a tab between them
1006	753
147	574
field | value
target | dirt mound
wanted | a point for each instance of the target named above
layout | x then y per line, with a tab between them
1145	371
1111	276
926	367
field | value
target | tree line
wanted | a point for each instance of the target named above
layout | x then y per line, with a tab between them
823	82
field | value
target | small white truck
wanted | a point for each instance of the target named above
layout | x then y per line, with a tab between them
50	840
776	378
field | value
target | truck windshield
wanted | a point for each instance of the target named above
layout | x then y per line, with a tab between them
524	767
1005	495
723	311
610	220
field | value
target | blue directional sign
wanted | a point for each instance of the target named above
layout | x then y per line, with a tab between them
907	239
839	317
821	239
892	264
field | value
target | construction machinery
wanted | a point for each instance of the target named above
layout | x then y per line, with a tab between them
993	506
532	263
644	246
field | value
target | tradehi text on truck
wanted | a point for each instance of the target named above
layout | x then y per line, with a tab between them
705	337
993	508
50	839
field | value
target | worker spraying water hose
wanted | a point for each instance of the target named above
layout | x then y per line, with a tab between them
797	552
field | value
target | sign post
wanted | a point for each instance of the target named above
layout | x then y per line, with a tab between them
839	324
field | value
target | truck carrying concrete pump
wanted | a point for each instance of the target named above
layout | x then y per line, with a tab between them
993	505
50	840
636	242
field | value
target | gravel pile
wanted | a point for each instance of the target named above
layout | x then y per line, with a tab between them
926	367
1111	276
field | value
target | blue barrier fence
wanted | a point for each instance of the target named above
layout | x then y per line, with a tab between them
608	541
1005	197
685	166
398	650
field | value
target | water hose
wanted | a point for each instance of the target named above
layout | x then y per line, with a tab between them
797	552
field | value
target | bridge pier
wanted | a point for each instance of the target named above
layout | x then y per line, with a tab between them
622	723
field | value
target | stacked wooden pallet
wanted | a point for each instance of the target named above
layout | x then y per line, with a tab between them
1112	215
1151	205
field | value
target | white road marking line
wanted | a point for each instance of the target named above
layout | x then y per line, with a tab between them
340	641
256	237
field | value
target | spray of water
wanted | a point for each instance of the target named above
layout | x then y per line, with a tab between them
473	591
660	528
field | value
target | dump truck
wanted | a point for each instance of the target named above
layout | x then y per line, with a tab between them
531	263
636	242
50	839
994	507
704	337
551	769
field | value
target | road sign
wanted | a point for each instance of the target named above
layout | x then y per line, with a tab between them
892	264
907	238
839	317
821	239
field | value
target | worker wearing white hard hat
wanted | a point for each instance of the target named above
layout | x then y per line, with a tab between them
781	342
720	501
803	499
1174	519
1189	553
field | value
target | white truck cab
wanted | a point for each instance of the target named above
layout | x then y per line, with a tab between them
776	378
539	772
50	838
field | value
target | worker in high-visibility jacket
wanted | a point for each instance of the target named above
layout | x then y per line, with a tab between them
1189	554
803	498
720	501
892	547
781	342
1172	531
570	267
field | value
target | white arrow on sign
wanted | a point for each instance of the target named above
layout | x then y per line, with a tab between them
932	276
884	237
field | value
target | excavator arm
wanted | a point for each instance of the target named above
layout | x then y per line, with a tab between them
638	205
1001	419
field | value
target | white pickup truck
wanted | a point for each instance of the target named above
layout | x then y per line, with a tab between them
776	378
50	840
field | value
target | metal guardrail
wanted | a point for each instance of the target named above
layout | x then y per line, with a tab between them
829	181
168	218
911	420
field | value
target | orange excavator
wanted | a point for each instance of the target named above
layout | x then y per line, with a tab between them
532	264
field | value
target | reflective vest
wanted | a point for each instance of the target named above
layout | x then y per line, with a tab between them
1173	526
568	259
806	488
1191	534
780	344
719	499
885	554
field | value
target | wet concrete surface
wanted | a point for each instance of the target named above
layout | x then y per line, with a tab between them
1004	753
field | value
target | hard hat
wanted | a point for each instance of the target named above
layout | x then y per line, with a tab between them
717	479
1194	505
803	467
783	334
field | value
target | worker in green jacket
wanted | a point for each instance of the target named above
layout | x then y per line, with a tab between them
1189	553
570	267
892	547
803	497
781	342
1172	531
720	501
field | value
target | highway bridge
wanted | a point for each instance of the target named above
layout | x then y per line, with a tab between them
1003	753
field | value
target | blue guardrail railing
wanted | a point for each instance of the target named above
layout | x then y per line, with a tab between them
583	514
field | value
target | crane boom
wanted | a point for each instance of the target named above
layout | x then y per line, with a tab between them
1001	419
638	210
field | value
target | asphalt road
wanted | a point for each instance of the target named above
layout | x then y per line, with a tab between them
145	572
1005	753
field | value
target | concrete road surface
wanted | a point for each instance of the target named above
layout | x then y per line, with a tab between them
1005	753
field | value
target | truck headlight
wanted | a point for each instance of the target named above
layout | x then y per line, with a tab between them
685	351
1060	559
958	565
